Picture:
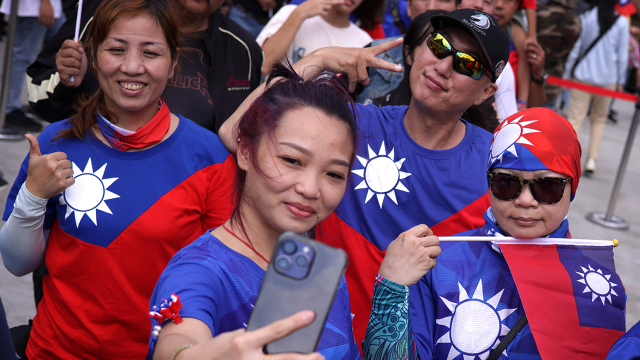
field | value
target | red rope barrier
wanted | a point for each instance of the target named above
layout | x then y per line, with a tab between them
592	89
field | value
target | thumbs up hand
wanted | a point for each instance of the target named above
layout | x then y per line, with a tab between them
49	174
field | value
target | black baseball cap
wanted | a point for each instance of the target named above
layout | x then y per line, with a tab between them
493	41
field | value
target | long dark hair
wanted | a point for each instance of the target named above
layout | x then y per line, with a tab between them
606	13
286	91
369	13
417	33
109	13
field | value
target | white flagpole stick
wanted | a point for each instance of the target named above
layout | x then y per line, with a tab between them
539	241
77	34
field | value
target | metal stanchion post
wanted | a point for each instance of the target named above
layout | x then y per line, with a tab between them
608	219
8	133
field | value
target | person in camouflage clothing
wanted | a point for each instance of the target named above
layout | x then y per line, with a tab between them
558	30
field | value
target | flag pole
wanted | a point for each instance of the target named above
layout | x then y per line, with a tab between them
538	241
608	219
76	36
6	75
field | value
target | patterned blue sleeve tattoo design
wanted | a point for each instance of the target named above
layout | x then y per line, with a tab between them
389	329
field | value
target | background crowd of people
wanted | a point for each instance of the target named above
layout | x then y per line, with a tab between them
173	96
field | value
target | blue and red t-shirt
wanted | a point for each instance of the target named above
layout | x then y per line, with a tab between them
467	304
219	286
114	231
397	184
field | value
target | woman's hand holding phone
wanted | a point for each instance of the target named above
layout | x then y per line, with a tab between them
235	345
249	345
410	256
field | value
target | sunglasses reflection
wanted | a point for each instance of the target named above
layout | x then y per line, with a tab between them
463	63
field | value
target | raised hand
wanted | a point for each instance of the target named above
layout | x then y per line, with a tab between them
267	4
49	174
71	61
350	61
411	255
311	8
535	58
46	16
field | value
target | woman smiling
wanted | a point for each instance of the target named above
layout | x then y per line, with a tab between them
296	146
121	187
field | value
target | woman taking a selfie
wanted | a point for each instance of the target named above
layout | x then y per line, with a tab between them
108	196
296	144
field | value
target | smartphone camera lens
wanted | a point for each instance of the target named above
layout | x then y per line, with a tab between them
302	260
283	263
289	247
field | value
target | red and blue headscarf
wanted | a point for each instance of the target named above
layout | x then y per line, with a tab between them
537	139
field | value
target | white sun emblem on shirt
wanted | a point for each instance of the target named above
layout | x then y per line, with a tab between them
475	324
381	175
597	283
88	193
510	133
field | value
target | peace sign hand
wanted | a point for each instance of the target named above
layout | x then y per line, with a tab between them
350	61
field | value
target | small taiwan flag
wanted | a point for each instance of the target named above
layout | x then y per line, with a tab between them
625	7
573	298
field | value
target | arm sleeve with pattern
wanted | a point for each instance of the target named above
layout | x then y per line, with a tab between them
389	330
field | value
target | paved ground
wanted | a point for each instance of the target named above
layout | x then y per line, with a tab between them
593	194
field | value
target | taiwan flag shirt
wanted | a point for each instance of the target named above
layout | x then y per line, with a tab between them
219	287
467	304
397	184
114	231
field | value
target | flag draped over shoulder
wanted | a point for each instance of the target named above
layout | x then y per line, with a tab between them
573	298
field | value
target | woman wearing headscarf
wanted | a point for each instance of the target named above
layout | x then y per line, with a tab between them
469	302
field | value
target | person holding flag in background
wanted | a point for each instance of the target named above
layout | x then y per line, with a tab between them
573	299
499	301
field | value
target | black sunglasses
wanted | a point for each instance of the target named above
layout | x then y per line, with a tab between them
464	64
546	190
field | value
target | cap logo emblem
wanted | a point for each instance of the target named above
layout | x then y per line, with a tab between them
499	68
481	21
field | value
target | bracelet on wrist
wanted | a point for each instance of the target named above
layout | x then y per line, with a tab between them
522	105
178	350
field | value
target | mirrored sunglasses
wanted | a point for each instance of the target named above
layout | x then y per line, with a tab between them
464	64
